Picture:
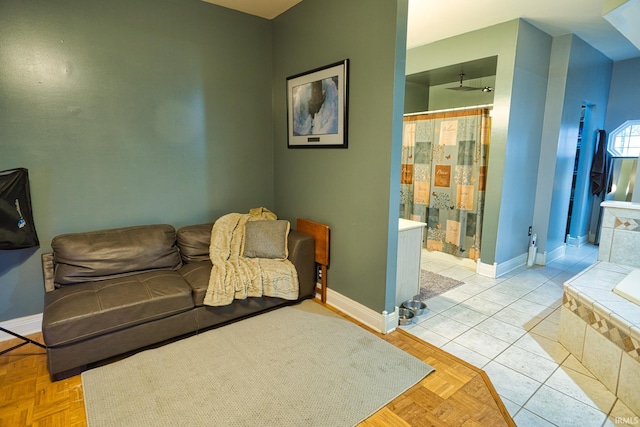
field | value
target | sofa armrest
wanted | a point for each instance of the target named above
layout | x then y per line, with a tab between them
302	255
47	271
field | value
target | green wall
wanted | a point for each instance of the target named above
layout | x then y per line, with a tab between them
130	112
146	111
355	191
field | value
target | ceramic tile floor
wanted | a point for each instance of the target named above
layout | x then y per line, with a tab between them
509	327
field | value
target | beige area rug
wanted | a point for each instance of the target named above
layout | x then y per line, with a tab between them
296	366
432	284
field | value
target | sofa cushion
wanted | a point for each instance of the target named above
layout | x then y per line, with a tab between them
100	255
194	242
266	239
197	274
75	313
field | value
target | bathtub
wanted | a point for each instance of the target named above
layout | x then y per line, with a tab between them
629	287
600	326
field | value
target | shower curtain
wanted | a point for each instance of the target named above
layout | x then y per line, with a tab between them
444	159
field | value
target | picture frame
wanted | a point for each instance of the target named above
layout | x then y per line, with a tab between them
317	107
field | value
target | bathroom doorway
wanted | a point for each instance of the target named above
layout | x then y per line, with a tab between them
581	198
445	150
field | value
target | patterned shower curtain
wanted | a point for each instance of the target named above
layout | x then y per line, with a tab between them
444	159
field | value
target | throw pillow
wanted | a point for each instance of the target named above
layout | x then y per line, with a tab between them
266	239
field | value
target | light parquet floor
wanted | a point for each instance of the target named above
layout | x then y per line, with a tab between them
456	394
27	395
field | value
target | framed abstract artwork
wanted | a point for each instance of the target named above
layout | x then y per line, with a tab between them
317	107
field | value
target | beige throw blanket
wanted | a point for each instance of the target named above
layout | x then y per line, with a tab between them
236	277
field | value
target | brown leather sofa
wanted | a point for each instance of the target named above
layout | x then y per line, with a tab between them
115	291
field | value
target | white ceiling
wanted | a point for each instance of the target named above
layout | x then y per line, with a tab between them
433	20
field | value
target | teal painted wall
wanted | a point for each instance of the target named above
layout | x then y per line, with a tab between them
130	112
578	74
589	79
524	134
623	104
557	82
355	191
625	91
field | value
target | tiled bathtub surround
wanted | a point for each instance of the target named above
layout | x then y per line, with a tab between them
589	296
620	233
509	327
600	328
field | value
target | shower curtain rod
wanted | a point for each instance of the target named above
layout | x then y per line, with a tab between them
445	110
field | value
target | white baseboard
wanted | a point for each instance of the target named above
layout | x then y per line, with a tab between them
22	326
487	270
380	322
577	241
496	270
547	257
512	264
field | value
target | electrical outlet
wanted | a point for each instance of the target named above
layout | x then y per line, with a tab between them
530	230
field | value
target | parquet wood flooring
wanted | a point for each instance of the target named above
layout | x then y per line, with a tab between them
27	395
456	394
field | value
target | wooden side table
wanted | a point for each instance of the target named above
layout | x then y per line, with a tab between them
320	233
